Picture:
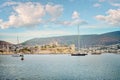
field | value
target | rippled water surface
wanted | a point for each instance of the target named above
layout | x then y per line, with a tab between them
60	67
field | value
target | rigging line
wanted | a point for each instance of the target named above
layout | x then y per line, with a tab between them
78	38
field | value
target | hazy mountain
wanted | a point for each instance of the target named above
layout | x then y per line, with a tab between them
85	40
4	44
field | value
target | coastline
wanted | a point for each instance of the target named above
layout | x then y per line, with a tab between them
60	54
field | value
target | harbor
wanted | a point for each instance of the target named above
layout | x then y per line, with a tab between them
59	39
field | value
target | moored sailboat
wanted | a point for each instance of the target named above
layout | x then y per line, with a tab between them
16	53
78	53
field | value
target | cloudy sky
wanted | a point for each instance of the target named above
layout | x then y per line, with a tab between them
29	19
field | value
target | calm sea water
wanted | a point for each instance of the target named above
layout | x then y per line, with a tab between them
60	67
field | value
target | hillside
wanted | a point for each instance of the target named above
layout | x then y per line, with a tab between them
4	44
85	40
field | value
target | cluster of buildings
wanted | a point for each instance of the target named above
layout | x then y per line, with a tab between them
102	49
51	48
56	48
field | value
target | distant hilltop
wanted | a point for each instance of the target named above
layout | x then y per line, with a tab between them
85	40
4	44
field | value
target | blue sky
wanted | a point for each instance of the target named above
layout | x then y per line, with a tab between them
29	19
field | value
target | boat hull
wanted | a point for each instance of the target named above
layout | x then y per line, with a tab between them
78	54
17	55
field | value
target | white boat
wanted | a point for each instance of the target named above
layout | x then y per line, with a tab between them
17	55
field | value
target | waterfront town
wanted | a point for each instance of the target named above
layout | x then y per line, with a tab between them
56	48
51	48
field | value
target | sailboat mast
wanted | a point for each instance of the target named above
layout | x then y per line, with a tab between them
78	38
17	40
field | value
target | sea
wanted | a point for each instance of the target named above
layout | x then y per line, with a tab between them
60	67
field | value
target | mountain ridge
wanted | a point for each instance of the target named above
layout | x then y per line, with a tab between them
85	40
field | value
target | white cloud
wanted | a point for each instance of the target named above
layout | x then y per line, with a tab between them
25	14
75	15
30	14
75	20
112	17
9	3
72	22
100	17
115	4
96	5
54	11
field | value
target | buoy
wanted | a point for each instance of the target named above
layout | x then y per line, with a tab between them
22	58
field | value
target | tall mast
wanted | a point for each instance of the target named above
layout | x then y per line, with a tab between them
17	40
78	38
7	48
